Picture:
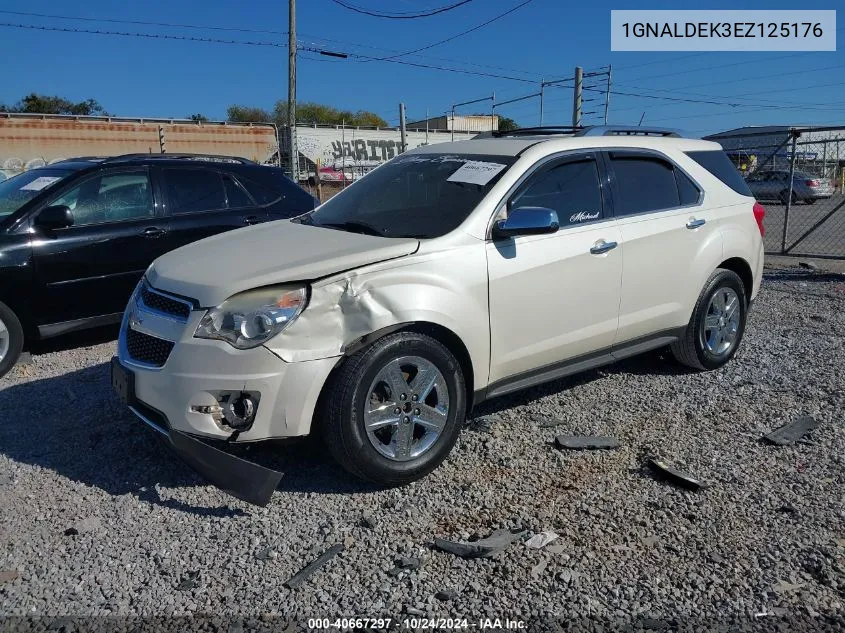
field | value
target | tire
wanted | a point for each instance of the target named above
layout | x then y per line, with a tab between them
700	348
359	397
783	197
11	339
810	201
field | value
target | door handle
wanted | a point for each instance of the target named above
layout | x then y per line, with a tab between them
252	219
602	247
152	232
694	224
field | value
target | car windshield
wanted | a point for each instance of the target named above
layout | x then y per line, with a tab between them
415	195
18	190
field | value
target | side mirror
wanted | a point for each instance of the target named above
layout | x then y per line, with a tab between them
527	221
55	217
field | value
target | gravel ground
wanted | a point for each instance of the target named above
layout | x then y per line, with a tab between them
99	518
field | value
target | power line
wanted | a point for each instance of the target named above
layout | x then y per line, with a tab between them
407	15
247	30
154	36
157	36
456	36
144	23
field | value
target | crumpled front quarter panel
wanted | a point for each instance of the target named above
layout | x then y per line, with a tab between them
447	288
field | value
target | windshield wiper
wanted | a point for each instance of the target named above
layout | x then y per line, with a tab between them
355	226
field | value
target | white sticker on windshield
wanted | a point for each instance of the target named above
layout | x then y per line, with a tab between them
39	183
476	172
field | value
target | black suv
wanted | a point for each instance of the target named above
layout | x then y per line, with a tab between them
76	236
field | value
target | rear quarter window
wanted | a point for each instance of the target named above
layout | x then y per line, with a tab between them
718	164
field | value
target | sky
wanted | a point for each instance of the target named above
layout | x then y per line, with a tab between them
544	39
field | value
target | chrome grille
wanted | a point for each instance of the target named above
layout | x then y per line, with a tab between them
147	349
159	302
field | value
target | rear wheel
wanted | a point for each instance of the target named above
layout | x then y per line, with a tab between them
715	330
394	410
11	339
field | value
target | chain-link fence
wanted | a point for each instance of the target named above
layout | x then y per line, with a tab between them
798	174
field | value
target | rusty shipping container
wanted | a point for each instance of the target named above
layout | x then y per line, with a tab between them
28	141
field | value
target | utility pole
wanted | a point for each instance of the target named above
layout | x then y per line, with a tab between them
542	93
493	112
607	93
577	94
402	126
294	151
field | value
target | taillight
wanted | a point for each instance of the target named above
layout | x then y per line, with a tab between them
759	214
813	183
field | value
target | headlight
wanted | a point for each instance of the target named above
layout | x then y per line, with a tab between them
251	318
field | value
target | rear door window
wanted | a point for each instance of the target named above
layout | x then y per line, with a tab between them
191	190
260	192
646	183
236	197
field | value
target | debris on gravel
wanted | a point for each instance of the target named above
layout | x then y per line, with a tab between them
715	559
673	475
307	571
585	442
9	575
788	434
540	540
482	548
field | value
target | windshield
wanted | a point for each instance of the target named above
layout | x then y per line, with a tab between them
18	190
416	195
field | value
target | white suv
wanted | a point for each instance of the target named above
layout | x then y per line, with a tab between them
452	274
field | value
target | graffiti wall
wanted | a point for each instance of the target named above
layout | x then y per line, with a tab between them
348	148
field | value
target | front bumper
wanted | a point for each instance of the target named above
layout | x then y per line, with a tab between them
197	371
240	478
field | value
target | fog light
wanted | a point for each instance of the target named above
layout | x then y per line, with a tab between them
214	410
239	410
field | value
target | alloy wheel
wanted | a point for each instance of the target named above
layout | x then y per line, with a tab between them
407	408
720	327
4	340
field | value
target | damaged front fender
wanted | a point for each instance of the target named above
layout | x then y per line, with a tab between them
446	288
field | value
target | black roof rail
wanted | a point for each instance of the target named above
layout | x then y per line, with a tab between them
542	130
590	130
180	156
624	130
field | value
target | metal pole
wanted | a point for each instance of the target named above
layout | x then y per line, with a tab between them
577	95
607	93
493	112
343	153
402	126
452	123
294	151
426	126
542	91
795	136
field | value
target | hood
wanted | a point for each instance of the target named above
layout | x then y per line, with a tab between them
212	270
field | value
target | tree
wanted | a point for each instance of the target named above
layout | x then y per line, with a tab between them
199	118
306	112
507	124
247	114
43	104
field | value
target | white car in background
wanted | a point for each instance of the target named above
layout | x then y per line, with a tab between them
452	274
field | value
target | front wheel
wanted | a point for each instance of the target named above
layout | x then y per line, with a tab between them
394	410
11	339
715	330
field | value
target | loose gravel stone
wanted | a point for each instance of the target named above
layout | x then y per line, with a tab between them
65	462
